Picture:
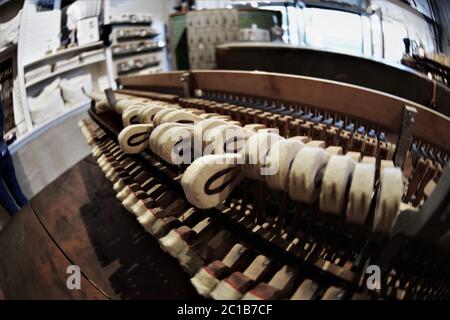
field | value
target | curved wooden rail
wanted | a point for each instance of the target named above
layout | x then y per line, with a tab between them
76	220
366	104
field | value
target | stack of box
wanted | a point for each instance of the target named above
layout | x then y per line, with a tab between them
135	47
254	34
194	35
130	18
205	30
137	63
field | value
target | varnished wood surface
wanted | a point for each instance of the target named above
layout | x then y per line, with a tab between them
110	120
366	104
329	95
378	74
167	79
32	266
4	217
80	212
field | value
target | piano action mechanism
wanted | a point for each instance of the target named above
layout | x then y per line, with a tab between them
268	186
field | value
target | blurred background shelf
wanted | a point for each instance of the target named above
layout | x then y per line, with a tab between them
51	58
134	38
41	128
7	50
134	52
2	2
135	69
82	61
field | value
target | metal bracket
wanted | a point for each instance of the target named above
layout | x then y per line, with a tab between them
432	221
111	97
406	135
187	80
430	224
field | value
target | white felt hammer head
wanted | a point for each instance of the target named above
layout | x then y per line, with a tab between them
204	282
389	199
131	114
134	138
210	179
124	193
305	174
180	116
175	145
255	153
227	138
360	194
146	220
155	136
139	208
280	158
157	118
224	291
146	114
118	185
335	183
173	243
204	126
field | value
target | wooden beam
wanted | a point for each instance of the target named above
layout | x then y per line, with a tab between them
168	79
365	104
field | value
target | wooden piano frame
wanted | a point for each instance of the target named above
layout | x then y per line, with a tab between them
358	102
385	111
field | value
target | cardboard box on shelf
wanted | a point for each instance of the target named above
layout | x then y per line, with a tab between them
87	31
254	34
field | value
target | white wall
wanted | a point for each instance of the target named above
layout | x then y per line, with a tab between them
400	20
415	25
443	13
10	9
49	155
159	10
213	4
